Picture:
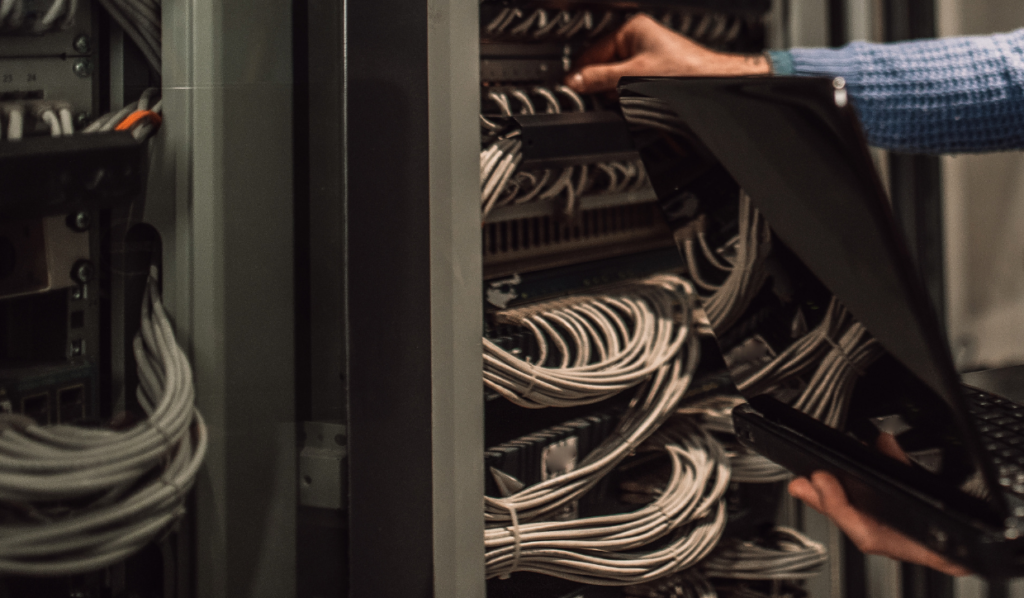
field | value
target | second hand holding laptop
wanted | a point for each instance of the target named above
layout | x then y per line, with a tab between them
794	145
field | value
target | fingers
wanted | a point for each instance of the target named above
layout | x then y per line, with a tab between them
870	536
604	50
597	69
603	77
859	527
802	489
888	445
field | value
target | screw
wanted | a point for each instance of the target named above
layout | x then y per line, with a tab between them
76	294
76	348
81	119
82	271
81	44
79	221
83	68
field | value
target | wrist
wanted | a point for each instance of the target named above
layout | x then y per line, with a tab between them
781	62
740	65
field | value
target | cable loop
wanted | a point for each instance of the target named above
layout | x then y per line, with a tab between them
514	528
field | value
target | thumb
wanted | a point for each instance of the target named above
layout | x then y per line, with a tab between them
596	78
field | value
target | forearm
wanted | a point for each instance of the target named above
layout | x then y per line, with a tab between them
932	96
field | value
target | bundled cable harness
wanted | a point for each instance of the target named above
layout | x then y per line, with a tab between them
715	415
828	393
16	17
799	357
616	549
745	274
838	349
141	118
784	553
651	113
20	118
140	19
653	404
752	468
76	499
502	184
592	347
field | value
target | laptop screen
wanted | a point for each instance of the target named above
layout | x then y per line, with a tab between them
784	224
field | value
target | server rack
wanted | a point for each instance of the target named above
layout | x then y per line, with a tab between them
315	193
214	203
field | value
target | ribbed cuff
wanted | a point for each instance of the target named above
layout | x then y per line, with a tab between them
782	62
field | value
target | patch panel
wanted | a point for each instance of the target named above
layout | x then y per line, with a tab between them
539	243
65	78
50	393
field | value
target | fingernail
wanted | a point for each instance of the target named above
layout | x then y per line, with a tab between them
576	82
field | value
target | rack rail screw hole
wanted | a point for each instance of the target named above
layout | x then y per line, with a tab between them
81	44
82	271
83	68
79	221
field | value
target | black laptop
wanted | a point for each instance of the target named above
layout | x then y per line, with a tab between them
796	147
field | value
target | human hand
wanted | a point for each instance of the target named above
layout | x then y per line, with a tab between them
824	494
644	47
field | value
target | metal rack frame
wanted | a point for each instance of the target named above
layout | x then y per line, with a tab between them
220	193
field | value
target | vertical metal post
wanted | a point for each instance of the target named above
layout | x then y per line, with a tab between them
415	410
223	205
455	297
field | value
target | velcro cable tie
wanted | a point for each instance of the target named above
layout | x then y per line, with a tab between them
137	116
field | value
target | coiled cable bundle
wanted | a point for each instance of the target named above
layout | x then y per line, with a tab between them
610	550
687	584
653	405
77	499
745	275
714	413
592	347
752	468
784	554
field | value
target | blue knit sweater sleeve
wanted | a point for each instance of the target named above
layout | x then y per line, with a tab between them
950	95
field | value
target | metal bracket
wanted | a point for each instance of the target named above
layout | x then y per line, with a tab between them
559	140
322	466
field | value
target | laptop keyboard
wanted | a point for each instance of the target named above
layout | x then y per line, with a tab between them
1000	425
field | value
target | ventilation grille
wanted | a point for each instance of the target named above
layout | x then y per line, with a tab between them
540	242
